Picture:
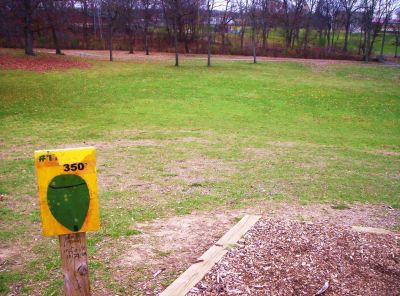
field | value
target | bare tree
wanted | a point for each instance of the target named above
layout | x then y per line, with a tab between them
181	17
389	6
350	7
225	19
335	20
264	20
209	9
24	10
253	15
292	10
147	6
173	13
131	18
396	29
111	8
310	5
370	8
10	23
196	22
242	8
55	10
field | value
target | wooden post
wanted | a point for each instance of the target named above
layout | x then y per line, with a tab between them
75	264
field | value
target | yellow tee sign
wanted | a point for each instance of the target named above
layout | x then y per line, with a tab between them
68	192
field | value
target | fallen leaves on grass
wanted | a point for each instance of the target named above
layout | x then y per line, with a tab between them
39	63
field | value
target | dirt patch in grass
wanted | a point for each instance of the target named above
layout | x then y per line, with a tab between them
7	254
260	153
283	144
107	145
171	245
192	140
281	151
15	151
39	63
388	152
281	257
201	169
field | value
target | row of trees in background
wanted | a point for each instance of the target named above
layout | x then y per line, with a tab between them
308	28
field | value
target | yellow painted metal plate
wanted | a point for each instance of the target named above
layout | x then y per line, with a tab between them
68	193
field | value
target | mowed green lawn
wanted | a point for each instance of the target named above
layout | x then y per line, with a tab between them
173	140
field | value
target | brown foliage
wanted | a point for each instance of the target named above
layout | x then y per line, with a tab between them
39	64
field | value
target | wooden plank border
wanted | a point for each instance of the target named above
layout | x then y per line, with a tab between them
182	285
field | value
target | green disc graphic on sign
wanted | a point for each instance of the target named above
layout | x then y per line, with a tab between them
68	200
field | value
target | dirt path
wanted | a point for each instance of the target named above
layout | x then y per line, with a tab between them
120	55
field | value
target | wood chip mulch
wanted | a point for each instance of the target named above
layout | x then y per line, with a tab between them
284	257
39	63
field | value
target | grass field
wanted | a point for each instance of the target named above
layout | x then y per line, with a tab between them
173	140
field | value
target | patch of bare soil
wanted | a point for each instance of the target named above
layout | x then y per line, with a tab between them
39	63
388	152
260	153
6	254
201	169
108	145
168	246
282	257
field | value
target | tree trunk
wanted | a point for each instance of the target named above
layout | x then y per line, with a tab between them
294	37
55	40
321	33
242	38
50	13
187	50
223	41
397	45
306	33
264	38
110	36
332	40
289	37
209	42
254	44
367	37
329	38
383	39
94	22
346	35
209	50
28	34
360	45
146	41
132	37
85	25
130	47
176	48
367	45
99	18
